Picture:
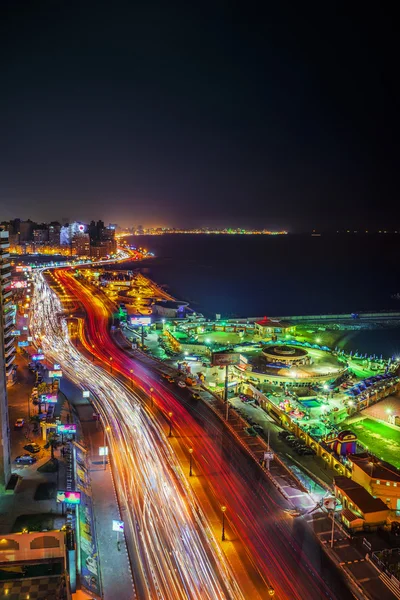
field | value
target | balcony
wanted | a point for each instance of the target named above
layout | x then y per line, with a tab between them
9	341
9	351
4	255
9	361
6	295
4	266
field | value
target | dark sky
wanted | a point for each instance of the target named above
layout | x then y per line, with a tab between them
199	114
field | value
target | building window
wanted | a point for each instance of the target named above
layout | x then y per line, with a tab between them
395	484
378	481
388	483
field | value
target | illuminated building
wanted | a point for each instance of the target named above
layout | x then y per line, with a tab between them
41	234
379	478
80	244
6	357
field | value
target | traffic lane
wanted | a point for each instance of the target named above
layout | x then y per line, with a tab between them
257	492
265	494
118	360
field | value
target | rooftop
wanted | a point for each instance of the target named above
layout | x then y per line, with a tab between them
267	322
378	470
359	495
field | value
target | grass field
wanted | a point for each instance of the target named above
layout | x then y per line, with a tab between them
381	440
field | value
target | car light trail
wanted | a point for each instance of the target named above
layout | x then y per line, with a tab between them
176	555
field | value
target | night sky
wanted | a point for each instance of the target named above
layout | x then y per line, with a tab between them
208	114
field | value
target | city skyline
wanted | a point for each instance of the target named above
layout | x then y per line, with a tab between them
282	118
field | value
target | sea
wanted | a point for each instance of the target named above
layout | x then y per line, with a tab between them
282	275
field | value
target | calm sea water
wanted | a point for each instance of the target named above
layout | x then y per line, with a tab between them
240	276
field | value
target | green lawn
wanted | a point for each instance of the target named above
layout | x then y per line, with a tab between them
381	440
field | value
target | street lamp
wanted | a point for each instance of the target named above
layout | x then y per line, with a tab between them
93	346
111	367
191	461
223	509
151	396
170	424
131	372
105	430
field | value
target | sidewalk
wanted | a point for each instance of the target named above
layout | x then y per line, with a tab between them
350	555
113	563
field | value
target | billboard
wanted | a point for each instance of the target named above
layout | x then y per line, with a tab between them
21	344
69	497
38	357
53	374
16	332
48	398
66	428
16	285
223	359
140	321
23	269
118	526
85	394
56	367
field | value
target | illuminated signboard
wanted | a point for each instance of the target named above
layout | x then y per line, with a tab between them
118	526
243	359
223	359
53	374
86	394
15	285
140	321
56	367
16	332
22	269
21	344
48	398
38	357
30	339
66	428
69	497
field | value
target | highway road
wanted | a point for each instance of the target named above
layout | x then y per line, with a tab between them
283	550
176	555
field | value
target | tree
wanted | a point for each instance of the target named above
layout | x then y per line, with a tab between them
35	419
52	442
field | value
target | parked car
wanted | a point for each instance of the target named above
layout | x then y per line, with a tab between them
19	423
284	434
196	396
34	448
170	379
258	428
307	452
181	384
25	459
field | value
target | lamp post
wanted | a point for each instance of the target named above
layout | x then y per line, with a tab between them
191	461
151	396
170	424
223	509
111	367
131	372
107	428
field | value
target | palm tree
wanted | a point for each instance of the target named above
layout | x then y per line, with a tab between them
35	420
52	442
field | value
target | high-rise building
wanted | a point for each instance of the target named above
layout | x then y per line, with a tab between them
54	233
80	244
6	357
41	234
